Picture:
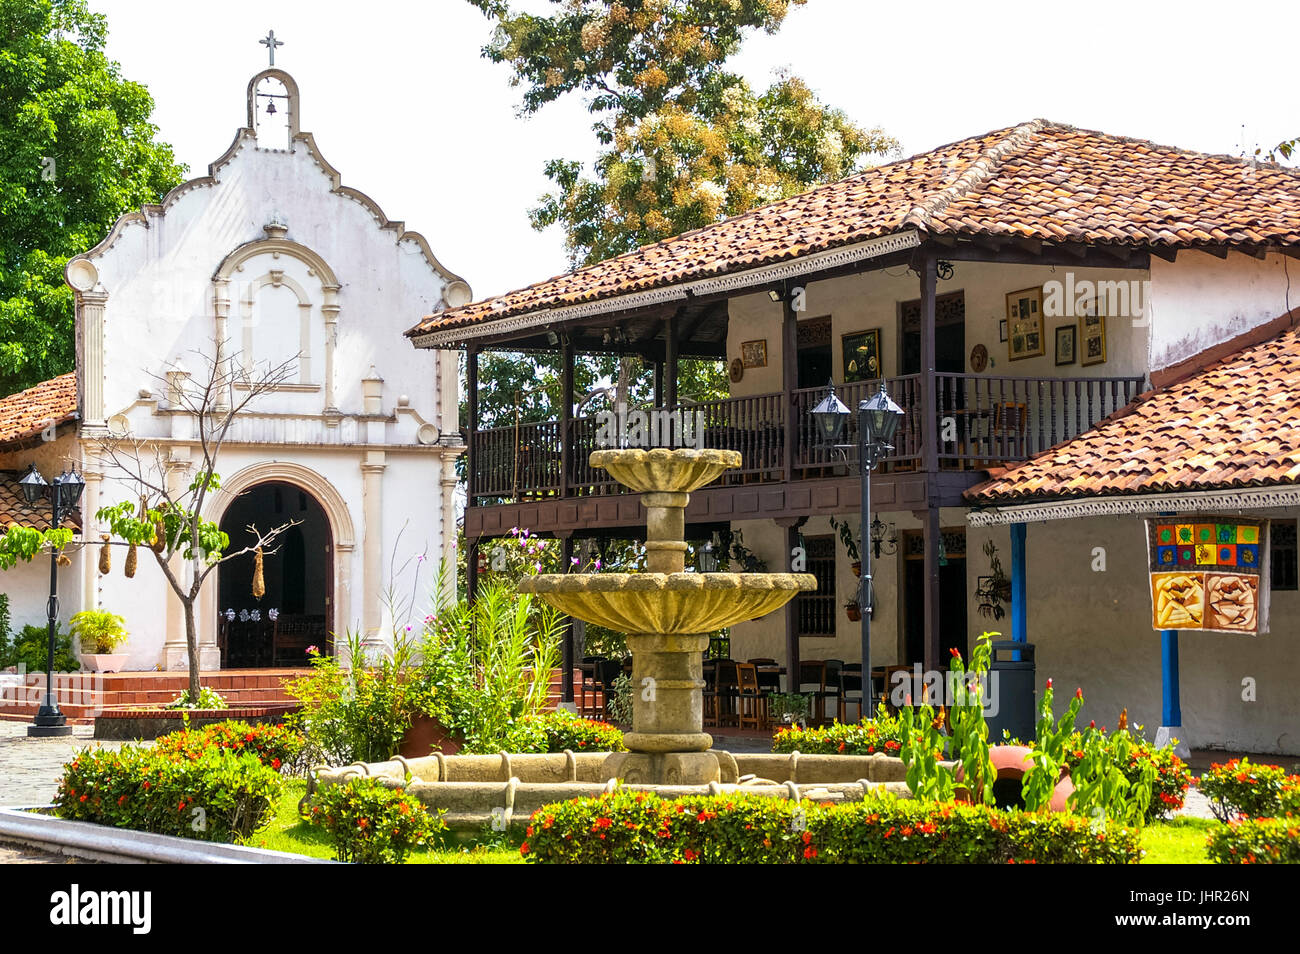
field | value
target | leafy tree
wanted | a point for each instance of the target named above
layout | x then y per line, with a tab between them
76	151
168	521
686	141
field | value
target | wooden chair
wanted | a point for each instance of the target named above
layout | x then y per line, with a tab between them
607	670
586	689
721	697
812	682
833	667
850	683
751	701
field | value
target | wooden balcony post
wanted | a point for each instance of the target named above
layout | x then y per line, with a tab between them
471	426
789	382
566	441
670	361
930	462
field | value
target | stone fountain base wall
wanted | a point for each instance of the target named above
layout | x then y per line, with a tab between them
506	789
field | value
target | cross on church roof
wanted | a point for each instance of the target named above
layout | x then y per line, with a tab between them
270	42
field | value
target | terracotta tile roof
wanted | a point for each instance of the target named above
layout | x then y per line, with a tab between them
1042	180
29	412
14	507
1228	426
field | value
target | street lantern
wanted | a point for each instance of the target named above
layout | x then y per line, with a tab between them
706	558
829	416
878	420
34	486
67	488
63	494
880	417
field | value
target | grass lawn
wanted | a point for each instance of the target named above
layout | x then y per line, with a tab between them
1177	842
287	832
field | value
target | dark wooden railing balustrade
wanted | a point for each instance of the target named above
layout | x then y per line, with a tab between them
980	421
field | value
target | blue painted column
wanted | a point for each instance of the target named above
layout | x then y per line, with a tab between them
1019	587
1171	709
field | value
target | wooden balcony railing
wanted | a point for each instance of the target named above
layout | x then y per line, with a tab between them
980	421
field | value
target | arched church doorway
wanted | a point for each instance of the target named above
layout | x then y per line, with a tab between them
297	571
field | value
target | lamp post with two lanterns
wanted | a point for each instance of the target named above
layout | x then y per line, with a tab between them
63	493
878	420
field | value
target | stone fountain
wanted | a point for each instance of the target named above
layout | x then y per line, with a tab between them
668	615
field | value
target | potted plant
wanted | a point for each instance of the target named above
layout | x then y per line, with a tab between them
790	708
850	545
99	632
854	611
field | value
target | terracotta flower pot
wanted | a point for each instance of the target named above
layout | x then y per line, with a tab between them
857	568
426	735
854	611
1010	762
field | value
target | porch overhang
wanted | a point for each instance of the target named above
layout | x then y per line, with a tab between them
1240	499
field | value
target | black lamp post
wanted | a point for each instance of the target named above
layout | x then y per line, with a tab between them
63	493
878	420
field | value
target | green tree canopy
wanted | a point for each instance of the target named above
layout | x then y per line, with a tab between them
686	142
76	151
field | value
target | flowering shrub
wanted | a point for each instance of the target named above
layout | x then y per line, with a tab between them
209	698
371	824
273	745
1170	777
1240	788
638	827
218	795
881	734
560	730
1253	841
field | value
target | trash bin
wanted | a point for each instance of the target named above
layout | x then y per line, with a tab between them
1012	697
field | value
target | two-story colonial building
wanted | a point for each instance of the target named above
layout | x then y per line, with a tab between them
1011	291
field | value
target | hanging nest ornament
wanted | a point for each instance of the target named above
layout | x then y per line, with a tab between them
105	556
63	559
259	583
130	562
159	536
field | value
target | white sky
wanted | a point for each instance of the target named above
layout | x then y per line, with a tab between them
403	106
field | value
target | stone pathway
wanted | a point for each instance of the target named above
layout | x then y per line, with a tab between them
30	768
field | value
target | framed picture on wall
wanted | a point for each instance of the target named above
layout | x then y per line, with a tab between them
862	355
1065	340
1025	323
1092	336
754	353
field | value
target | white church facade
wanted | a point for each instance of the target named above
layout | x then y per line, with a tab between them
268	259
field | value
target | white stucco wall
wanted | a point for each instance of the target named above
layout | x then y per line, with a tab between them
164	275
1199	301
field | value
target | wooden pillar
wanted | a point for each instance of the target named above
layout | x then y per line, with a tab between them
566	437
566	675
789	381
658	368
471	426
670	361
792	618
1019	587
930	463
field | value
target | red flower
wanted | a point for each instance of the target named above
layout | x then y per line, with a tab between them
523	849
955	653
405	808
1078	693
363	823
807	837
690	855
1049	684
275	763
603	822
810	852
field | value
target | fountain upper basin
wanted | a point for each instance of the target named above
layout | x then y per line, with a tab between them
668	603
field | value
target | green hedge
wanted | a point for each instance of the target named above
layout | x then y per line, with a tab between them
560	730
273	745
216	796
371	824
862	738
1243	789
1266	841
636	827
